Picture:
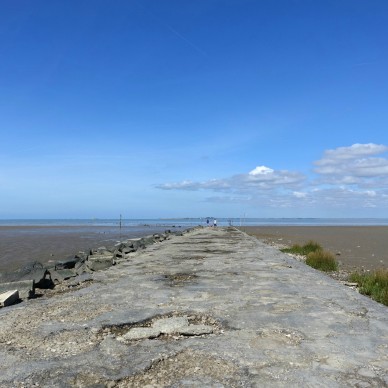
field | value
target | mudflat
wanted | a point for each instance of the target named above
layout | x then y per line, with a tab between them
355	247
214	307
20	245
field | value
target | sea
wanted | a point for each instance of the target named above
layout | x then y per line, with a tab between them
191	222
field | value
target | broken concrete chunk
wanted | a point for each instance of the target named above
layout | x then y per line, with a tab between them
66	264
171	325
79	264
100	262
8	298
149	240
85	277
196	330
137	333
26	288
82	269
40	276
103	251
61	275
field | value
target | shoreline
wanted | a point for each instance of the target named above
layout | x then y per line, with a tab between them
357	248
21	245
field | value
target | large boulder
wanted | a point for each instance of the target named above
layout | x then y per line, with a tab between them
100	262
145	241
32	271
58	276
67	264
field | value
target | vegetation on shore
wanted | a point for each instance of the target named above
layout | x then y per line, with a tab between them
316	256
373	284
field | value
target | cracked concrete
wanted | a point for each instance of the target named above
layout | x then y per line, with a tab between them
228	310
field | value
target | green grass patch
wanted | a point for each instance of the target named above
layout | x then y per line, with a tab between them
316	257
304	250
322	260
373	284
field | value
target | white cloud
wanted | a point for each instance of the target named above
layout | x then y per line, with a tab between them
299	194
355	151
261	170
354	165
351	177
260	179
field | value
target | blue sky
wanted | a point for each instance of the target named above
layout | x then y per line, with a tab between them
193	108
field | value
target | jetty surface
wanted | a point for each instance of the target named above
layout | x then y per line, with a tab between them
214	307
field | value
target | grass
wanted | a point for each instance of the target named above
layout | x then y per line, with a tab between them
374	284
316	256
304	250
322	260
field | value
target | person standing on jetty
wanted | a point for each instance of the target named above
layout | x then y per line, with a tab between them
207	222
215	223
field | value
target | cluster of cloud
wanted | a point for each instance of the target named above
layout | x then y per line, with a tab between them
354	165
354	176
261	178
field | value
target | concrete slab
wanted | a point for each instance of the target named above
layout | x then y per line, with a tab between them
100	262
8	298
26	288
276	323
58	276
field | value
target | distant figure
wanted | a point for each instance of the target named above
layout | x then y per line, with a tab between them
207	221
215	223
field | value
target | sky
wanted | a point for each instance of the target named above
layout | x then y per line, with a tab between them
194	108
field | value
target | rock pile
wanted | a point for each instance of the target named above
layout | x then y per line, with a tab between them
21	284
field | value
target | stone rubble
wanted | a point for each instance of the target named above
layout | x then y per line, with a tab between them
27	280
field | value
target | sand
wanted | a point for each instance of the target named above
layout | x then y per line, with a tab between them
356	247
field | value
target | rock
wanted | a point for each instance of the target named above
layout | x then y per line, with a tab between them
128	249
100	262
196	330
137	333
82	269
31	271
79	264
60	275
26	288
171	325
8	298
103	251
85	277
40	276
149	240
81	255
68	264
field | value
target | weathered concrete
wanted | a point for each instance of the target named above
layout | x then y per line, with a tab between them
9	298
253	316
26	288
100	261
60	275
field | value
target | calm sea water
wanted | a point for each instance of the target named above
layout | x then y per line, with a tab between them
188	222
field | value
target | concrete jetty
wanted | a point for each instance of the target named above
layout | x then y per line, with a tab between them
211	308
